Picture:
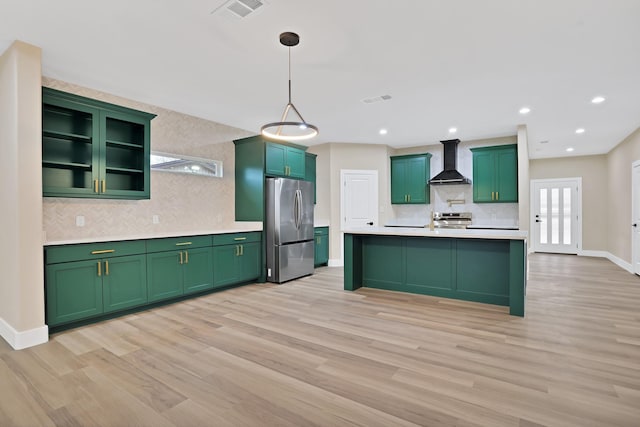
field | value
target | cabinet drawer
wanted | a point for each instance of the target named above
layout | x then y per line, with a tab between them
177	243
57	254
230	239
321	231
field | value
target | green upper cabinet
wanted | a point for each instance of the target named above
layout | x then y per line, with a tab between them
285	161
310	172
409	179
93	149
257	157
495	174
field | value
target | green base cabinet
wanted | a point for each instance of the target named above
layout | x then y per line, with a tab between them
410	179
489	271
89	280
236	258
74	291
495	174
321	249
256	158
93	149
179	265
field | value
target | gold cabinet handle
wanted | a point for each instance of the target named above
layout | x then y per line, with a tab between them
497	195
106	268
186	257
492	195
237	250
104	185
409	197
104	251
241	250
95	186
181	261
99	268
184	243
240	238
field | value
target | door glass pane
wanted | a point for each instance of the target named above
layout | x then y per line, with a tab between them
555	208
543	216
566	213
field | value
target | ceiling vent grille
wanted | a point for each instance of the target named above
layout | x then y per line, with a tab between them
241	8
376	99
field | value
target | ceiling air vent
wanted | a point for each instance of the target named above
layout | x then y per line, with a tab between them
376	99
241	8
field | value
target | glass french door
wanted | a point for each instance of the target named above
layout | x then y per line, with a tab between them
555	215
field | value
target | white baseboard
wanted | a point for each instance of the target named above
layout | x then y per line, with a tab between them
24	339
597	254
621	263
611	257
336	263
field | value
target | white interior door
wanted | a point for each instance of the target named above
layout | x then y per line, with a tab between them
556	215
635	216
359	207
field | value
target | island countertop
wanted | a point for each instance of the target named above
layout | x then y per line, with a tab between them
439	232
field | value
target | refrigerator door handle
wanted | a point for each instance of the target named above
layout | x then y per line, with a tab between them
296	210
300	205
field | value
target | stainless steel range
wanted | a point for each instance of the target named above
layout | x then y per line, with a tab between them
451	219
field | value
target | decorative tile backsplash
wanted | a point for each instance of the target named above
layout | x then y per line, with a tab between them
182	203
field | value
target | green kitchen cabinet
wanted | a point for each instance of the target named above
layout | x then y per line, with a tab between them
321	254
284	161
84	281
236	258
410	179
256	158
93	149
310	172
495	174
178	266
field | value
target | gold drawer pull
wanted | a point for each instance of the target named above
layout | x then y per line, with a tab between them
104	185
181	259
184	243
106	268
95	186
240	238
105	251
186	257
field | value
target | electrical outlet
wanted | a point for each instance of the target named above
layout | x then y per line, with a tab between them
80	221
155	219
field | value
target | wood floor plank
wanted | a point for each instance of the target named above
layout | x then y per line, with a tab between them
309	353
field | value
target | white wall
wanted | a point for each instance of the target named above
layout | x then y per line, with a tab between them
21	258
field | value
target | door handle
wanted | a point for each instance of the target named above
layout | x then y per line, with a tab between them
538	220
370	223
634	225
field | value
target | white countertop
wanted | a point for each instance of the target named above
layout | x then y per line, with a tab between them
493	226
158	235
321	223
443	232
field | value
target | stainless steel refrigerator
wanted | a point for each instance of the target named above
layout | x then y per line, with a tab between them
289	229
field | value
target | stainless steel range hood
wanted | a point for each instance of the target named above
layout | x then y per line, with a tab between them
450	174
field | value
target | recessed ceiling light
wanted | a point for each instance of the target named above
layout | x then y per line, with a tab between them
453	130
525	110
597	99
580	130
382	132
570	149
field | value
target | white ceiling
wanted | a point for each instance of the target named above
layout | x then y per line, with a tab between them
469	64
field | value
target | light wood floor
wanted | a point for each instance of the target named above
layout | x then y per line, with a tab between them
309	353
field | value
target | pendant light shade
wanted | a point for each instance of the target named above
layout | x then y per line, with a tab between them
295	129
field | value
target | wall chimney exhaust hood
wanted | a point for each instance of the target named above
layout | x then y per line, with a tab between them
450	174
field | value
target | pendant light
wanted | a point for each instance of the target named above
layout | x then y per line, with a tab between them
289	130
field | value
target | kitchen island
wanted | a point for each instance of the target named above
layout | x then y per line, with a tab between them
487	266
